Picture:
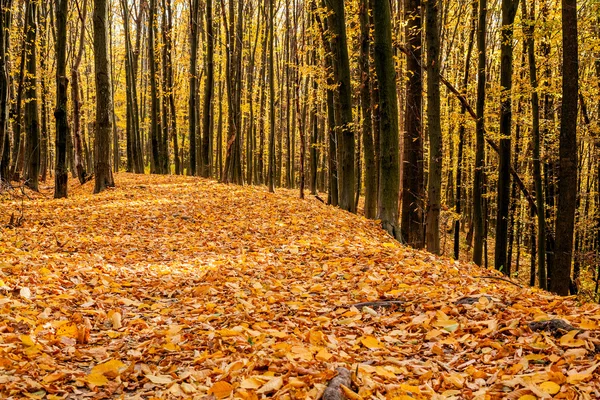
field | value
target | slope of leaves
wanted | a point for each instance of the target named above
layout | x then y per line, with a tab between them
175	287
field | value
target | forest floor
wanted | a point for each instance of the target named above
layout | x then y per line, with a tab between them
178	287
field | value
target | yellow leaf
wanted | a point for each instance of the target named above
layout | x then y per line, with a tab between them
349	394
588	324
160	379
323	355
251	383
96	379
68	330
569	340
109	368
271	386
528	397
221	389
229	332
54	377
27	340
371	342
550	387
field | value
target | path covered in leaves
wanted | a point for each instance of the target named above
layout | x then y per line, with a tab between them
175	287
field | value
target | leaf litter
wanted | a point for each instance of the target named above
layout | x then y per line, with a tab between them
178	287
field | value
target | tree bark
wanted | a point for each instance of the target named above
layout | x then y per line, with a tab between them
478	181
62	124
434	127
412	176
567	182
371	168
102	171
343	108
509	10
389	181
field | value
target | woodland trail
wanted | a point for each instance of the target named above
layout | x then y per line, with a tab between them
177	287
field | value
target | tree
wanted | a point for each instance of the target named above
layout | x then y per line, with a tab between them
413	187
389	180
371	168
103	177
32	126
156	163
478	220
62	124
5	22
343	105
433	126
535	138
81	173
509	11
208	94
462	132
567	182
193	88
271	174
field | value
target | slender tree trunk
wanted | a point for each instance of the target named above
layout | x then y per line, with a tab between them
509	10
389	180
271	174
567	182
462	133
62	124
155	135
535	138
412	169
478	181
371	168
344	121
194	15
102	171
208	93
434	127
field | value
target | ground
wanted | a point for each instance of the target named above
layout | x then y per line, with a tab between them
178	287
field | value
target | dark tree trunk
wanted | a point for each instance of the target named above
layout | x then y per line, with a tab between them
461	134
567	182
102	171
478	181
413	187
62	125
371	168
509	10
343	107
535	138
194	15
434	127
208	94
5	23
156	166
389	180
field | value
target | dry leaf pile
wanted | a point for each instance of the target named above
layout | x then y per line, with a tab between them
175	287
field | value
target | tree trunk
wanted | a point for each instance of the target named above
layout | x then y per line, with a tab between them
509	10
370	208
343	101
412	169
208	94
62	124
194	13
478	181
102	171
567	182
434	190
389	180
535	138
5	23
461	134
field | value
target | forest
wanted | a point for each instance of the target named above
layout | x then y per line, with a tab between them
337	199
466	128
